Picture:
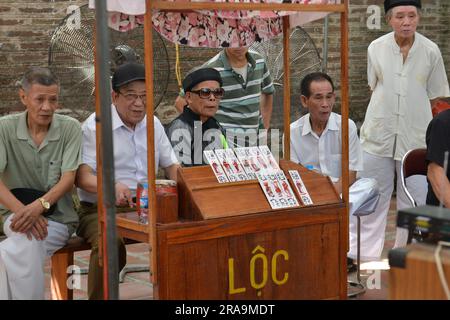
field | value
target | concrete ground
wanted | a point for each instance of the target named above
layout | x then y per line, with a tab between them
137	286
376	273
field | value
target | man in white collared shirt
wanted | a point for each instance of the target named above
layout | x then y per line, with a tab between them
316	143
316	137
130	160
406	75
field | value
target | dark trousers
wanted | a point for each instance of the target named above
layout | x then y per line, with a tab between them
89	230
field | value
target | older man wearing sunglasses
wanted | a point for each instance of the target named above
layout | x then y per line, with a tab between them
196	129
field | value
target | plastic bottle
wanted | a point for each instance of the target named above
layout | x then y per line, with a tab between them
142	199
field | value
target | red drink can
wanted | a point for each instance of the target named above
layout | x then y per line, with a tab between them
166	186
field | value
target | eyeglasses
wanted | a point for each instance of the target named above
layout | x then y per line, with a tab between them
132	97
205	93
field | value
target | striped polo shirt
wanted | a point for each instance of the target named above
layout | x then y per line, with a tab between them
239	108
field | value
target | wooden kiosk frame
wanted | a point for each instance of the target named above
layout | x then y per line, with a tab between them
250	253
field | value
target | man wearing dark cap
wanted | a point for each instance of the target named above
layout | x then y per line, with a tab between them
406	75
196	129
130	160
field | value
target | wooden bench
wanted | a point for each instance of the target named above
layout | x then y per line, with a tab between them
64	257
61	260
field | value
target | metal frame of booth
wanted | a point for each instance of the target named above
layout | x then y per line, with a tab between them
144	233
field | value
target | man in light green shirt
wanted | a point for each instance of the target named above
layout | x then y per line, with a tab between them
39	156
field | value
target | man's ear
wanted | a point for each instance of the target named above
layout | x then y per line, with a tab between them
187	97
114	96
388	19
304	100
23	96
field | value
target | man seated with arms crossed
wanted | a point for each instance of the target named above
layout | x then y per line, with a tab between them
130	161
39	156
316	143
196	129
438	142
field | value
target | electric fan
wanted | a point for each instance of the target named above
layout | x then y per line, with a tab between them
71	58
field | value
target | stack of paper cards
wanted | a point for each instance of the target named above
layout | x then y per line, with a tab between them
241	163
216	166
243	154
231	165
269	158
277	190
250	163
257	160
300	186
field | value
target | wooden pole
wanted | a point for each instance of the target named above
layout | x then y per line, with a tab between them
148	45
101	214
103	97
345	146
286	89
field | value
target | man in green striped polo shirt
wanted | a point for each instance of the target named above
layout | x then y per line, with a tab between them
247	104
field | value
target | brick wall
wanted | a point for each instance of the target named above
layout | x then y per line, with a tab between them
26	27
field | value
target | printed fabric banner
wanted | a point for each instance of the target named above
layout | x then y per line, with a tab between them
210	28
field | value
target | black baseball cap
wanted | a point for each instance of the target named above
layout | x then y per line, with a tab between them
200	75
389	4
127	73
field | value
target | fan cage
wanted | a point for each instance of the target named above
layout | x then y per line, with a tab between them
71	58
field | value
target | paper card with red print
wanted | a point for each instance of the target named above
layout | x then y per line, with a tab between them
236	165
215	166
288	194
227	165
269	157
253	162
243	156
258	160
301	188
277	190
269	190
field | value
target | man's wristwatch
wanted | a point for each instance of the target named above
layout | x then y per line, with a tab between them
45	203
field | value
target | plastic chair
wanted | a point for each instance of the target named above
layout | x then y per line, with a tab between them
413	163
370	198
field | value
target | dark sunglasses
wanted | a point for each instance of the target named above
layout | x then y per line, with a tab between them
205	93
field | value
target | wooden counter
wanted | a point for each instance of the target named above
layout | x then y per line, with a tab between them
229	244
232	245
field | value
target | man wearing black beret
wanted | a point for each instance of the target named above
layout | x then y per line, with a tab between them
406	74
196	129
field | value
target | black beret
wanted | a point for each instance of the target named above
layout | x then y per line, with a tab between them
127	73
200	75
389	4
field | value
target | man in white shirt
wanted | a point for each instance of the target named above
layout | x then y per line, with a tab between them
316	142
130	160
406	75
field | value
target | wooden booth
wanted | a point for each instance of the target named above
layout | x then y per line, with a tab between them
224	240
227	242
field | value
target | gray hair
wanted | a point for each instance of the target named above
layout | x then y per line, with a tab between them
388	14
37	75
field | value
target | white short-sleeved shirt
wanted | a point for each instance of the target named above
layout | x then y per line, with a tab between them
399	110
324	153
130	151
